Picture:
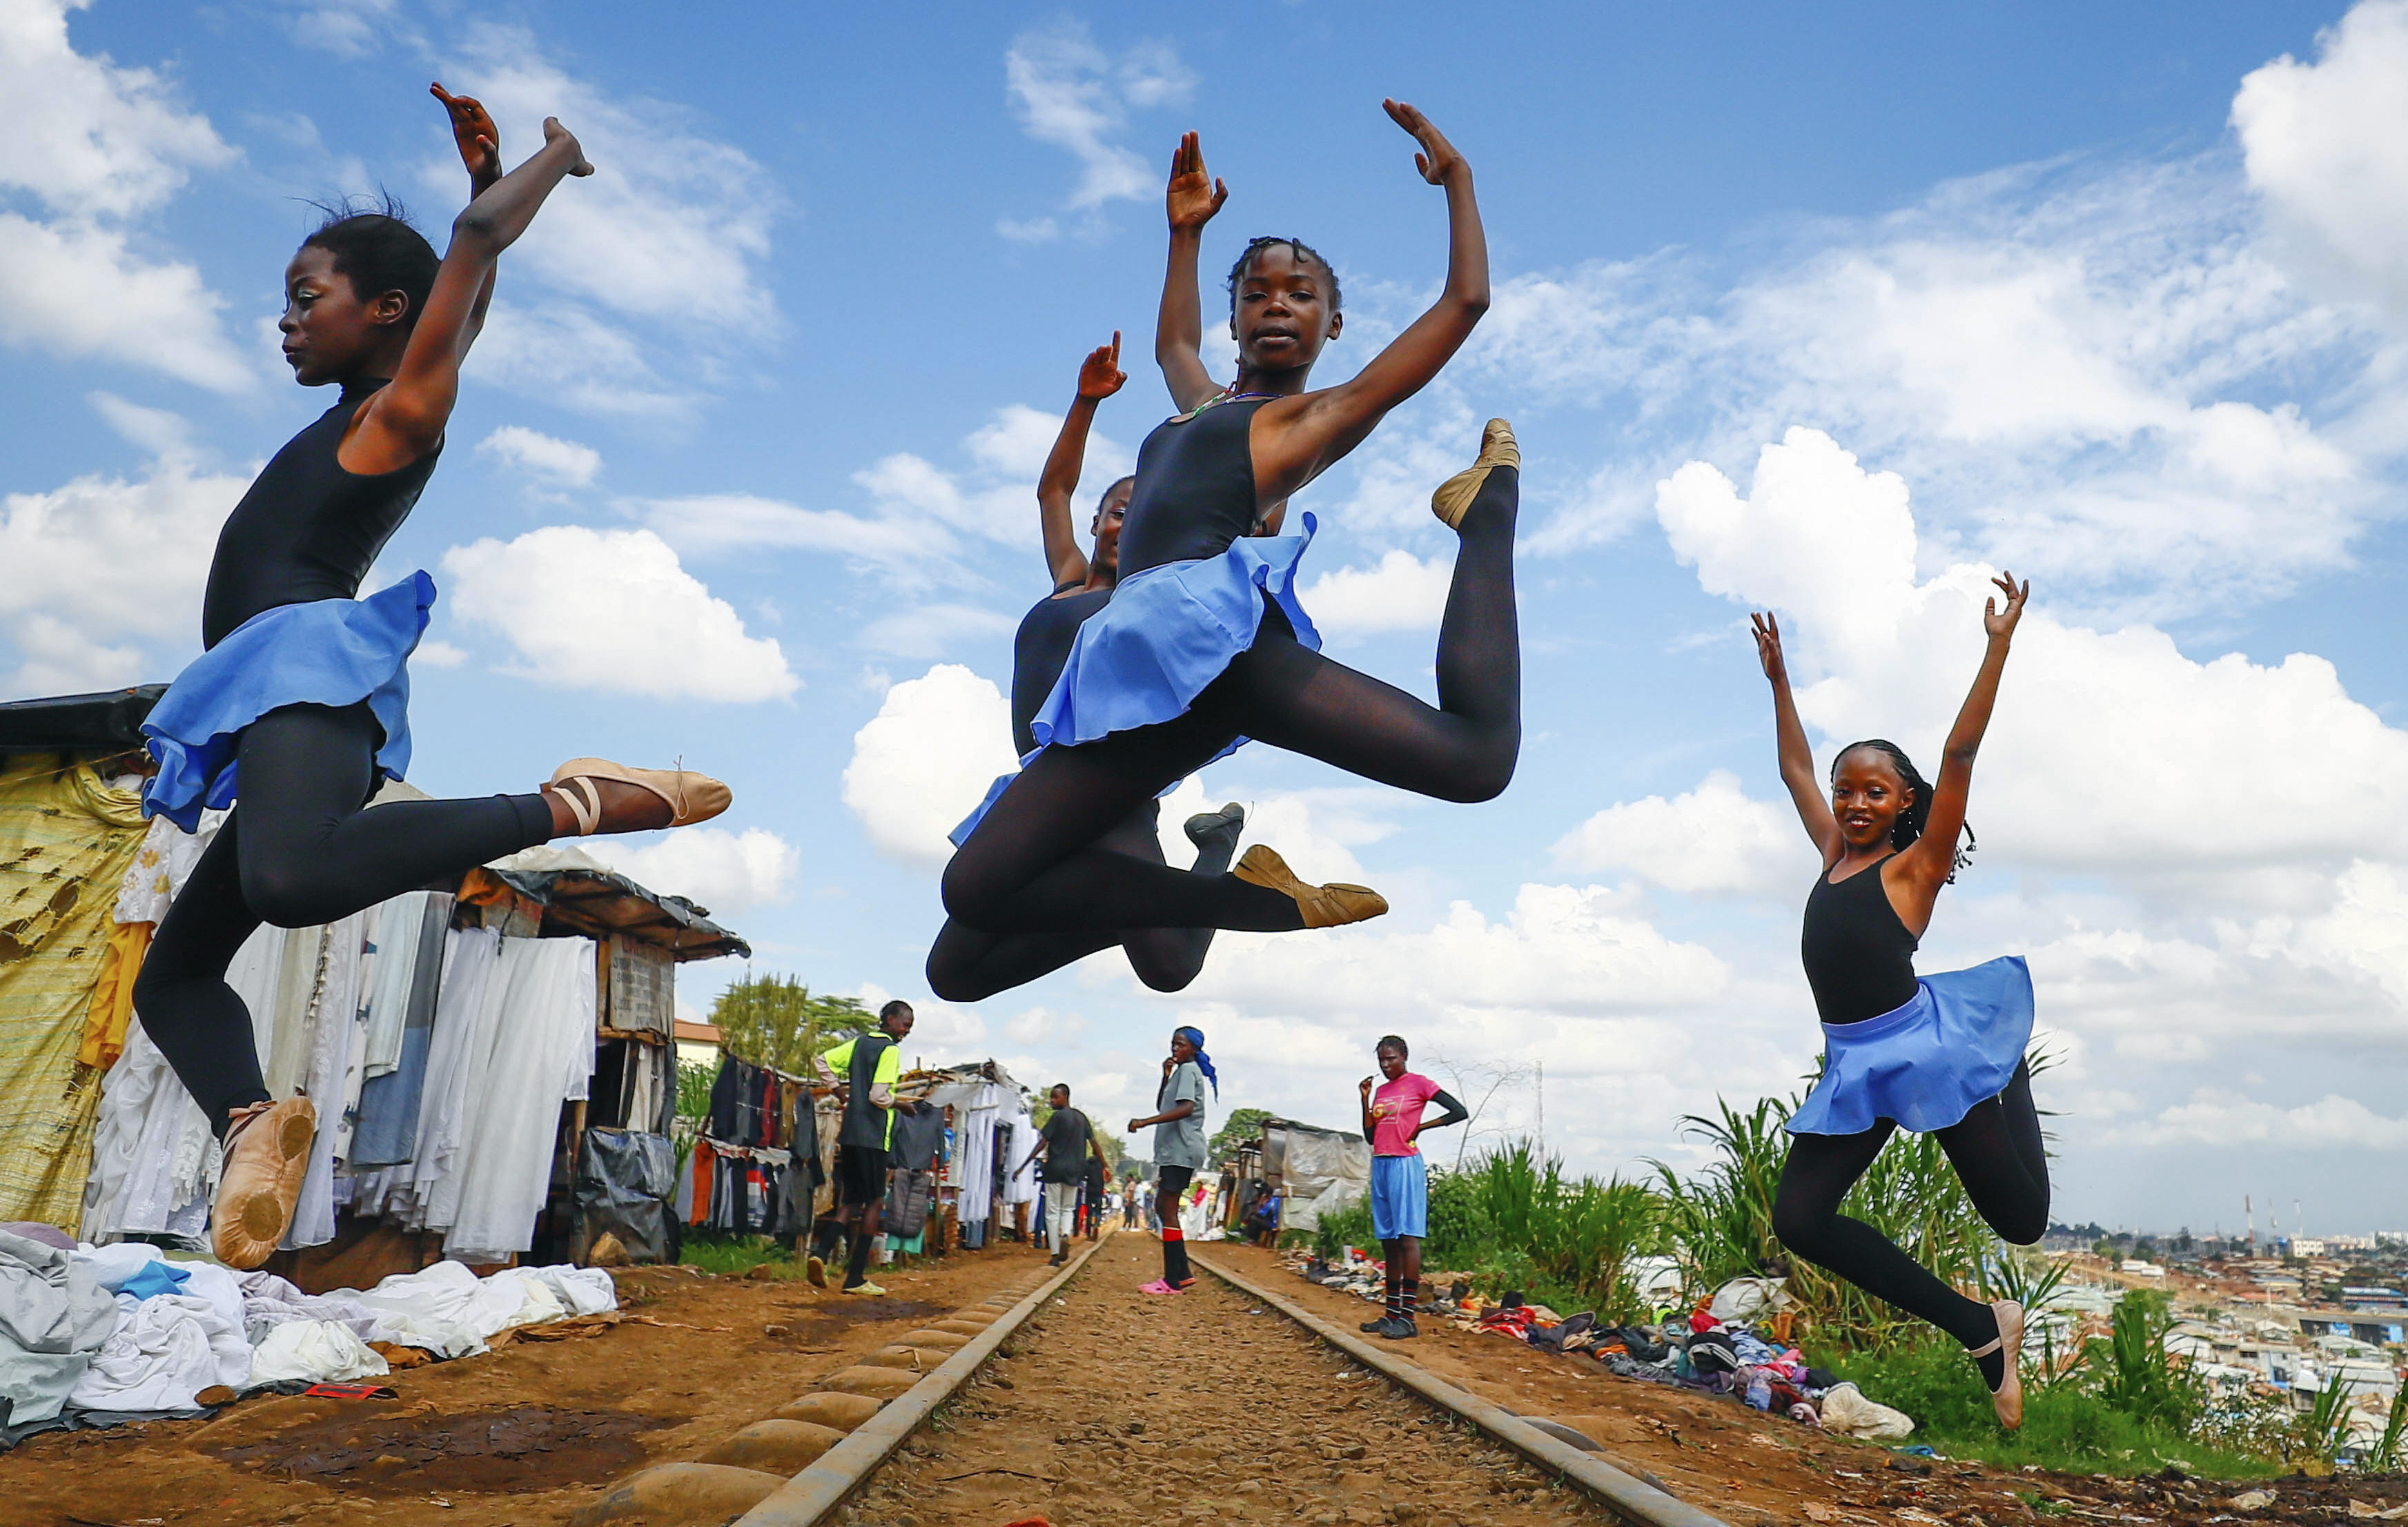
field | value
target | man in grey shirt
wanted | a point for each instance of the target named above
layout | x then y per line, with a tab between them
1178	1124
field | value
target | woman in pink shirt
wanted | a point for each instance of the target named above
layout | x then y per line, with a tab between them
1392	1118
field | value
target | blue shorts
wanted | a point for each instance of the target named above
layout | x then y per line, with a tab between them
1399	1197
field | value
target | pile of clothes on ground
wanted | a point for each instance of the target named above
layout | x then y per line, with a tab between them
100	1336
1723	1347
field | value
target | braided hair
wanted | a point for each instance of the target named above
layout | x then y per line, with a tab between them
1907	827
1303	251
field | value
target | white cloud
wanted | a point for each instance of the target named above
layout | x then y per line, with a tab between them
611	610
1399	593
925	759
96	144
80	291
1072	93
920	520
105	568
2187	745
92	138
563	352
2326	144
164	434
1713	838
672	224
714	524
345	28
2224	1118
933	630
550	461
726	872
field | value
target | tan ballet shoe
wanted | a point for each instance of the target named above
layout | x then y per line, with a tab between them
2008	1398
1455	495
692	797
266	1155
1323	906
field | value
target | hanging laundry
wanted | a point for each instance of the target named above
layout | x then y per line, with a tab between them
542	1054
390	1100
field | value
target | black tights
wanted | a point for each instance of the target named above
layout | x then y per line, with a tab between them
301	849
967	964
1037	864
1998	1156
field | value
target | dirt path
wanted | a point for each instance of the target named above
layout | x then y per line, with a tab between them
1114	1407
523	1436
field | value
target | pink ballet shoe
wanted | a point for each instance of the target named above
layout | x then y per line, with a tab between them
690	797
1329	906
2008	1398
267	1154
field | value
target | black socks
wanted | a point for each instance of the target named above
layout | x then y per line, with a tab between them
856	1266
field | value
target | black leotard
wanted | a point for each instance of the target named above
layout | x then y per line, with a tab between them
1039	648
1194	488
307	529
1860	957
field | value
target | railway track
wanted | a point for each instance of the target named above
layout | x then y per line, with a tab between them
1108	1406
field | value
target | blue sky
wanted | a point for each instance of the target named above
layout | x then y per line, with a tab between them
1830	311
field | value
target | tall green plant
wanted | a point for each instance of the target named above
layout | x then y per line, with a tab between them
2138	1376
2389	1454
1577	1236
2324	1431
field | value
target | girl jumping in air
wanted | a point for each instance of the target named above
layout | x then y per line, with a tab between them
1204	644
298	707
1942	1054
966	965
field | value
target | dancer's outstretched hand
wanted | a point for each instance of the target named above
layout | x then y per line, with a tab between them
553	132
1100	374
1767	645
473	129
2002	625
1437	159
1192	196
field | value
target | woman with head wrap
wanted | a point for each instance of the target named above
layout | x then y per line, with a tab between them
1178	1124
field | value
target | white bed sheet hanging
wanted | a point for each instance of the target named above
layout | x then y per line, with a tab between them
541	1055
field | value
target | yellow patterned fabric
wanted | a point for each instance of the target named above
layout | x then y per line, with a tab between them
65	840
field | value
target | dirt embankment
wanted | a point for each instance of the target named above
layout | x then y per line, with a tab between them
523	1436
1756	1470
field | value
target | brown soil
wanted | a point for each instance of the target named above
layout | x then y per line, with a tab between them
1755	1470
1118	1407
523	1435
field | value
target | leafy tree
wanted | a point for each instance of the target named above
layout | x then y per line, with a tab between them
776	1022
1241	1125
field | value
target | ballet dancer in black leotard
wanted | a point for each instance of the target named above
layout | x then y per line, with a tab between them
966	965
1201	646
298	706
1942	1054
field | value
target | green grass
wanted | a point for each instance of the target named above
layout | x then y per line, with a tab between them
736	1254
2067	1427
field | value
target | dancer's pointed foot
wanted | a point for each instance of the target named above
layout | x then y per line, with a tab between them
1455	495
2007	1394
601	797
267	1154
1322	905
1217	829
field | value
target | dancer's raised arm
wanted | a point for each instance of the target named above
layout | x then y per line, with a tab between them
479	143
1191	199
1296	439
1924	865
1796	758
404	421
1100	378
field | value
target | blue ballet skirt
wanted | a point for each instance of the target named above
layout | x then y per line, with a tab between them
326	653
1924	1064
1169	632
